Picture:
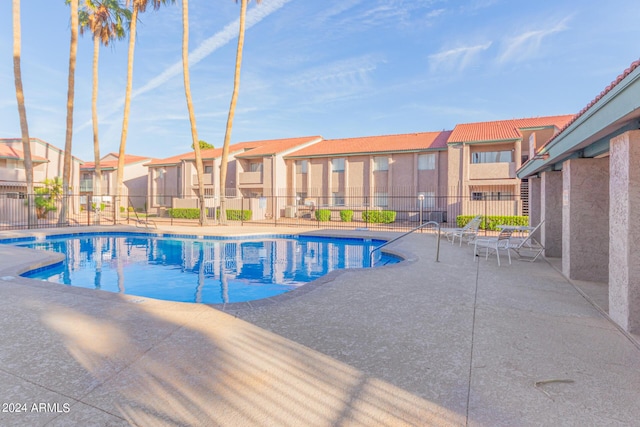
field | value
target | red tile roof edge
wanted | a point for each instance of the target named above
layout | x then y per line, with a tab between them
604	92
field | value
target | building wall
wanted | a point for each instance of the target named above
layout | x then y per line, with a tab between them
14	176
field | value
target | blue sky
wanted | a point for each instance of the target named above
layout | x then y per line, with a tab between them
336	68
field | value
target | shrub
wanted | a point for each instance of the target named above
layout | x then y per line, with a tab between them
491	222
184	213
387	217
236	214
323	215
239	215
377	217
102	206
346	215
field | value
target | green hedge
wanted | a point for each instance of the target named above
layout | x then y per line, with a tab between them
346	215
194	213
184	213
323	215
239	215
379	217
491	222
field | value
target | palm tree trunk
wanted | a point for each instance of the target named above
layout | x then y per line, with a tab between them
97	190
127	106
192	116
66	170
22	112
232	112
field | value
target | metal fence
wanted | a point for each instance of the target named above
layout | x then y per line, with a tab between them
396	211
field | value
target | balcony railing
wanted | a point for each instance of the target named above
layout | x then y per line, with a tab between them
492	170
207	178
18	176
250	178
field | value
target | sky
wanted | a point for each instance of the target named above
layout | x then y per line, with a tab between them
335	68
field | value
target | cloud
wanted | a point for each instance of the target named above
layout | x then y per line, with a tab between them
348	72
206	48
526	45
458	58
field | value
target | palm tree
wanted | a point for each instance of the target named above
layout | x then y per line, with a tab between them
22	112
232	110
138	6
106	20
66	169
192	116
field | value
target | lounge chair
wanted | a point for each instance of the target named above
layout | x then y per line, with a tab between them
497	244
527	243
469	231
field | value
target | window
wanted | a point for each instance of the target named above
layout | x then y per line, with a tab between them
492	157
380	163
19	195
380	199
255	167
208	169
301	166
492	195
426	162
337	165
338	199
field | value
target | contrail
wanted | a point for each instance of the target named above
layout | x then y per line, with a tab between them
206	48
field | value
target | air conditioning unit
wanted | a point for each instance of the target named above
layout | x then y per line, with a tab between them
290	211
437	216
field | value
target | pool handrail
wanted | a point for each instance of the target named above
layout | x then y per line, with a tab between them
147	222
406	234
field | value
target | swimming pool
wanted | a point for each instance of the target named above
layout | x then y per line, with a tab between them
202	270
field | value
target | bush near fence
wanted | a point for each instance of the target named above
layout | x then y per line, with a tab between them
491	222
323	215
183	213
194	213
238	215
346	215
379	217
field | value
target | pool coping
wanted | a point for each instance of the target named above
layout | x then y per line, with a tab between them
48	259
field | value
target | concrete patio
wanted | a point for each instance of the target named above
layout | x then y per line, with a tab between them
455	342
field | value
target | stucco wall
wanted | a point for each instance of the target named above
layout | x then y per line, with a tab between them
551	213
624	235
585	219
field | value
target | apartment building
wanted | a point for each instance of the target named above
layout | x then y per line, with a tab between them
397	172
134	179
47	159
483	159
254	169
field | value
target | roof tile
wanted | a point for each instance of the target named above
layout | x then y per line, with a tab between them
502	130
373	144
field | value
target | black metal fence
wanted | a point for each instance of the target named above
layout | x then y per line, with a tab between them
380	210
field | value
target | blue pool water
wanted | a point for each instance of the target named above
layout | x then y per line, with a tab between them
199	270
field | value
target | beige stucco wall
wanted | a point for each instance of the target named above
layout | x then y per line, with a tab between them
624	235
585	219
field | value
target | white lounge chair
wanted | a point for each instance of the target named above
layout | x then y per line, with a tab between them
469	231
497	244
527	243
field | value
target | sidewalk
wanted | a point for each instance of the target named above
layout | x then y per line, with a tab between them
454	342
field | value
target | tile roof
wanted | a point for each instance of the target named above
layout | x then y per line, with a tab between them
502	130
277	146
208	154
113	164
15	153
376	144
605	91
